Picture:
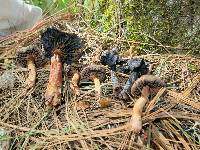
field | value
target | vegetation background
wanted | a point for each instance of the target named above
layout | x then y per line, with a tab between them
165	22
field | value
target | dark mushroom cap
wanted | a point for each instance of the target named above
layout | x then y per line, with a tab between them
146	80
89	72
137	65
30	52
70	70
67	43
109	58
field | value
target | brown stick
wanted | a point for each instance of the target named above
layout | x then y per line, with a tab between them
53	91
30	81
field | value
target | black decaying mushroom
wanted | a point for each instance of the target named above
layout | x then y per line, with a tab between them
126	89
67	44
136	68
112	59
145	86
61	48
30	57
95	73
138	65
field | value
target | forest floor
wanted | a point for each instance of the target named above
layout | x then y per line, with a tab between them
171	120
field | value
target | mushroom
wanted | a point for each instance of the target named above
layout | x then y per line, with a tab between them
53	91
136	67
72	72
112	59
30	57
136	119
153	82
145	86
95	73
74	84
61	48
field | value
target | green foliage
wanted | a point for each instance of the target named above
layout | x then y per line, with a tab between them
49	6
171	22
193	68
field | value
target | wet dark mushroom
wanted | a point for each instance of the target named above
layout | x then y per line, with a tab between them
95	73
145	86
112	59
125	91
138	65
66	45
30	57
135	67
61	48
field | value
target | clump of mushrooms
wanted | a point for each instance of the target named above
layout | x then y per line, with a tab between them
134	67
94	73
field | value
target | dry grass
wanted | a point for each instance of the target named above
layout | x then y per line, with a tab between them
170	121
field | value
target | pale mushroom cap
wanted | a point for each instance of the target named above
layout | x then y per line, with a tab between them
146	80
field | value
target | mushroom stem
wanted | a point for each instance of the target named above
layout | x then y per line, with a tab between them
114	79
53	91
127	87
97	86
30	81
136	119
74	83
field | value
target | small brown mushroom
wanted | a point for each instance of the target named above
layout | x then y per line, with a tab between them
74	84
136	119
104	103
95	73
30	57
144	86
72	72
